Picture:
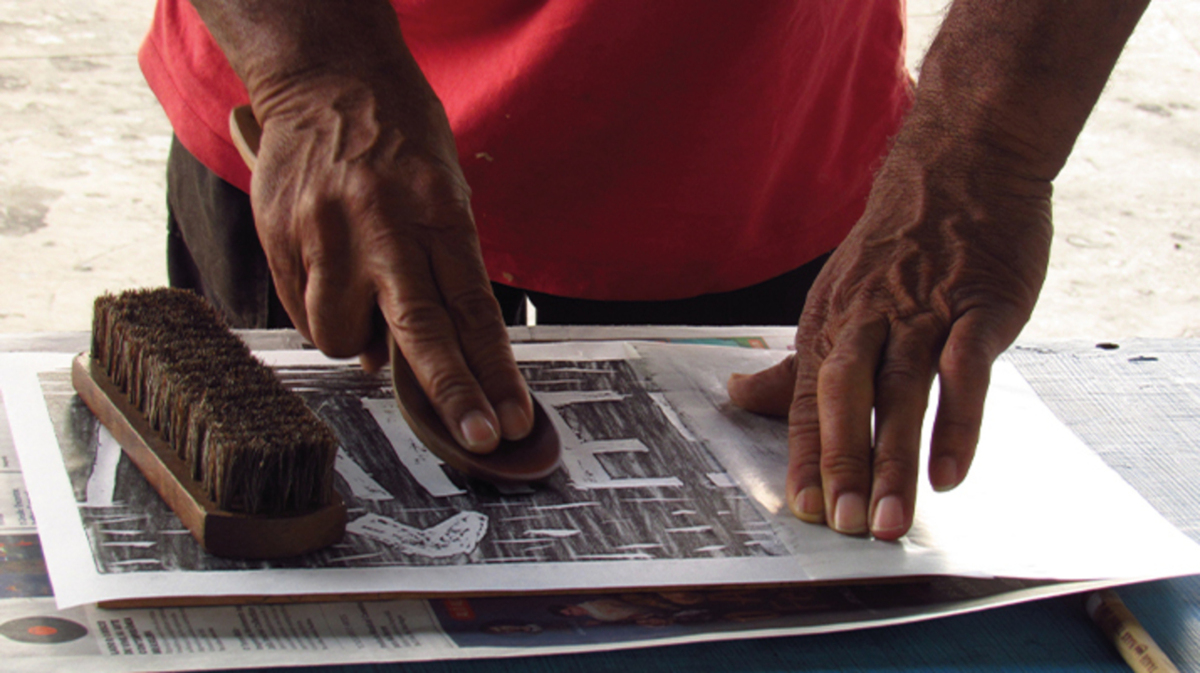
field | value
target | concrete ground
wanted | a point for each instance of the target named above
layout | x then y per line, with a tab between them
84	145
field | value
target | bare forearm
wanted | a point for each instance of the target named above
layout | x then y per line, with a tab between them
1019	77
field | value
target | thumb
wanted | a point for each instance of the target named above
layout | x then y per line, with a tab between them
766	392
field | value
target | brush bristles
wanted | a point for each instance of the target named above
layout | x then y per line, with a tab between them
251	444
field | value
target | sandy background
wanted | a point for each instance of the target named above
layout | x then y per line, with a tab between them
84	148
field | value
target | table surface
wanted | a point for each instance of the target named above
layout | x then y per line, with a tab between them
1136	403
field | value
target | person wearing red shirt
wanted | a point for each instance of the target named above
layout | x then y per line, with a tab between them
628	161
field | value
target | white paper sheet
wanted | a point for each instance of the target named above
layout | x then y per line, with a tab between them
649	498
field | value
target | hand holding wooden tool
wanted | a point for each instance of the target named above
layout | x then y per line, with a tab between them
532	458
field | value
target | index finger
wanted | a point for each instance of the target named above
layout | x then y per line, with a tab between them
437	302
482	335
426	337
829	427
845	401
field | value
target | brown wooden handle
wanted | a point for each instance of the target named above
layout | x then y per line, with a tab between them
247	134
513	462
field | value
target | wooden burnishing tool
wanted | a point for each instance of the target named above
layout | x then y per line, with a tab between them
513	462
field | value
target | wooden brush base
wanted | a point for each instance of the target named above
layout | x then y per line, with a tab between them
219	532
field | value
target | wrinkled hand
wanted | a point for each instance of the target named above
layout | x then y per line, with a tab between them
365	218
938	277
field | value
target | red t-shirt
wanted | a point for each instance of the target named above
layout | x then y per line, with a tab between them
623	149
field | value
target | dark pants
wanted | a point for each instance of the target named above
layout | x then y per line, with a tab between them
213	248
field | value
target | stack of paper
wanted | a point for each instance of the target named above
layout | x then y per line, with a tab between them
664	484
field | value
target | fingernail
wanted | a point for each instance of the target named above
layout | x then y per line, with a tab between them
735	383
478	431
943	474
514	422
809	505
850	514
889	515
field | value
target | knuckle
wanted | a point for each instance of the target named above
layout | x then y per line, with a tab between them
447	388
340	334
833	370
846	356
477	314
901	375
964	423
957	436
363	190
420	323
334	344
898	466
970	347
814	337
838	388
435	194
323	260
435	181
310	204
427	336
806	446
845	464
804	423
803	413
497	371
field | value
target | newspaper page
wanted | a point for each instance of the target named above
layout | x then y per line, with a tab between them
37	637
664	484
